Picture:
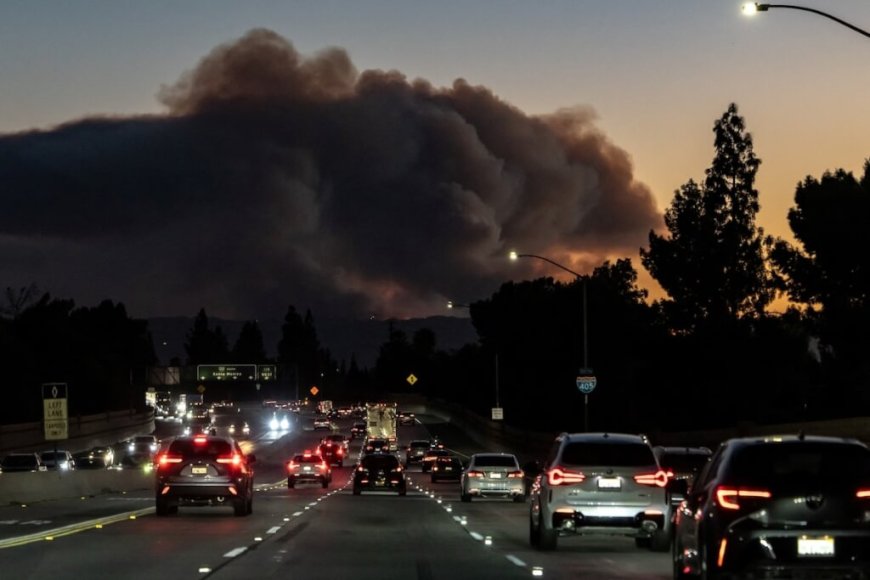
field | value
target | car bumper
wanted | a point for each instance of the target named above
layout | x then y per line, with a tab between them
504	488
608	520
196	490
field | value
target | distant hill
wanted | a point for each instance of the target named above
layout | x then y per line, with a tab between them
342	337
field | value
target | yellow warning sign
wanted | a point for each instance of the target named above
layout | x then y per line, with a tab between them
411	379
314	391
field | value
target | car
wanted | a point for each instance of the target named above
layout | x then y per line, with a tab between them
406	418
682	462
446	468
22	462
322	422
777	507
279	422
345	412
204	469
415	451
60	460
600	483
358	429
308	466
430	457
493	475
337	439
379	471
95	458
376	446
243	429
332	453
198	425
142	444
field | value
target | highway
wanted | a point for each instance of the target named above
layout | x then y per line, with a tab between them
307	532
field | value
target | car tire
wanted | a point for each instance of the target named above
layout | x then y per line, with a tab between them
250	507
291	484
324	484
466	498
162	507
341	463
240	507
541	538
403	491
356	490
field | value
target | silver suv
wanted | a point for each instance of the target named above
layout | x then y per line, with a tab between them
493	474
604	484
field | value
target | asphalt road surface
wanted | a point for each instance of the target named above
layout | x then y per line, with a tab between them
307	532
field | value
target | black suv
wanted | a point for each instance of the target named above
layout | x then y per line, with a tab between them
416	450
204	469
379	471
332	453
778	507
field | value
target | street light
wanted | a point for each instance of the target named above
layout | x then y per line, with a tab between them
751	8
514	256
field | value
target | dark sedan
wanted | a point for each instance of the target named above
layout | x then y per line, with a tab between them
446	468
380	471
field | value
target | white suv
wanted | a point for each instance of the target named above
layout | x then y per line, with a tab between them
602	484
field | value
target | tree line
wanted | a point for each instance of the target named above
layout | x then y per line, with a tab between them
711	352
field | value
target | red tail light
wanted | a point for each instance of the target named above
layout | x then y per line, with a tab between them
474	474
200	440
340	451
323	465
863	493
729	497
292	465
361	469
515	474
235	460
659	478
167	459
558	476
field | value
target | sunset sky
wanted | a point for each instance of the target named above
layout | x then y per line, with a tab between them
656	75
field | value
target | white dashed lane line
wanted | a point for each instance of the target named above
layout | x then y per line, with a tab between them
515	561
236	552
273	530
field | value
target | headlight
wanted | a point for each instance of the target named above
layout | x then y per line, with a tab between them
131	448
285	424
273	424
232	428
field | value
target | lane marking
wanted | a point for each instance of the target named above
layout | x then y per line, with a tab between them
273	530
236	552
74	528
297	514
475	535
515	561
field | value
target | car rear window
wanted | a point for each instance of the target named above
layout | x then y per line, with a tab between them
380	462
212	447
683	461
800	463
494	461
610	454
19	461
420	444
309	459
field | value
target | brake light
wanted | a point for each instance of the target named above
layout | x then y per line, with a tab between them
659	478
292	465
863	493
235	460
361	469
398	468
558	476
340	451
323	465
474	474
200	440
167	459
728	497
515	474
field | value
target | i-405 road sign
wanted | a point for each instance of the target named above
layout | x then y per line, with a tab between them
586	382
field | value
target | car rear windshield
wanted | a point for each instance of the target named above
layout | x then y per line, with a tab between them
19	461
609	454
684	461
420	444
211	448
380	462
800	463
494	461
308	459
52	455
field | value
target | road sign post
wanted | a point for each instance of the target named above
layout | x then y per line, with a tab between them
586	383
55	416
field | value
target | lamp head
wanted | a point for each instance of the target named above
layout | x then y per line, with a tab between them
513	255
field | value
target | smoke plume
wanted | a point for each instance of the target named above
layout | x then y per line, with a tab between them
275	178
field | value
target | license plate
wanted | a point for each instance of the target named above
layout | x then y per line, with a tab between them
816	546
199	470
306	468
609	483
495	475
448	469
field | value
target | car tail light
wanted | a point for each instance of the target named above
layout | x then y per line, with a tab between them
398	469
235	460
323	465
340	451
659	478
361	469
515	474
292	465
200	440
863	493
729	497
475	474
559	476
167	459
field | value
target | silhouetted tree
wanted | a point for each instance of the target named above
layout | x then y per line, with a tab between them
204	345
249	345
18	299
712	262
299	349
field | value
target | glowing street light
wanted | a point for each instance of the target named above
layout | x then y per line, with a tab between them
514	256
751	8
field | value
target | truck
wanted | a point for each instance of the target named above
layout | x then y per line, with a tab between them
324	407
381	423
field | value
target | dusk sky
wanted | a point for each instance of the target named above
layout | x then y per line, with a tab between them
274	172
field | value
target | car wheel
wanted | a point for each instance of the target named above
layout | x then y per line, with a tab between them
403	490
356	490
547	539
465	498
240	507
341	463
162	507
250	508
291	484
324	484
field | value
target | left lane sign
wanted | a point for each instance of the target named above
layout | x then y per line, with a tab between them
55	416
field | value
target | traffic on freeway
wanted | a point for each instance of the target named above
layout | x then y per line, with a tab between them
295	502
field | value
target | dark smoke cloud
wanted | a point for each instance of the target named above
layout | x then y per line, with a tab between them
275	178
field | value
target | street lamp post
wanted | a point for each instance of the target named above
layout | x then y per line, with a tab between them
515	256
751	8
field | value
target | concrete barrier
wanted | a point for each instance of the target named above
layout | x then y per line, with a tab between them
25	488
